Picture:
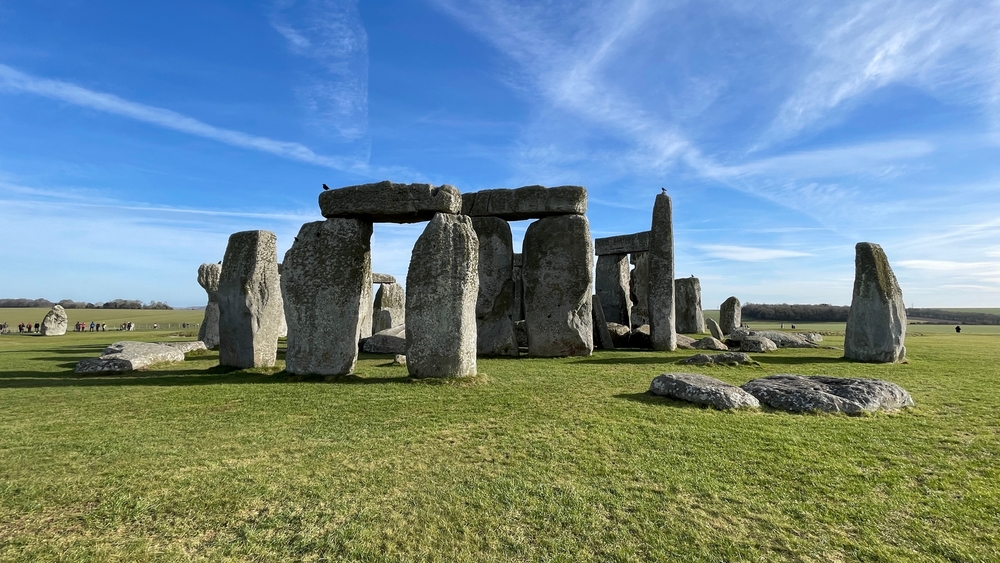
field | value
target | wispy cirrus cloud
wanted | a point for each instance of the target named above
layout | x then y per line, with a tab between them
748	253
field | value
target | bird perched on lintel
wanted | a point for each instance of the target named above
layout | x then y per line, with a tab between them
326	187
663	191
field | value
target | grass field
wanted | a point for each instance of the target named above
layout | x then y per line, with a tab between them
536	459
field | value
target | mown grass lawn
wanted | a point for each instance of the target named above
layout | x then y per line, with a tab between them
554	460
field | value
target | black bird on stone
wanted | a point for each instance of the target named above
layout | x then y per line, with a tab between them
663	191
326	187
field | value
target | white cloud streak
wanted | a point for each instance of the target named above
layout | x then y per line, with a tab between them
748	253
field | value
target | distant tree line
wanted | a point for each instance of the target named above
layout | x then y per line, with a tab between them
963	317
838	314
70	304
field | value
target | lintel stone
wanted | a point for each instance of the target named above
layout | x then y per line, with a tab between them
622	244
386	202
529	202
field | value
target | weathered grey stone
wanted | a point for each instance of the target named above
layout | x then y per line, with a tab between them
798	393
714	329
55	322
784	339
382	278
811	336
441	290
558	264
639	337
724	359
129	356
602	338
639	288
390	306
495	302
529	202
250	306
622	244
710	343
685	342
690	319
389	341
187	346
702	390
208	278
730	315
757	344
612	281
325	284
386	202
521	332
399	360
876	323
619	335
661	276
515	274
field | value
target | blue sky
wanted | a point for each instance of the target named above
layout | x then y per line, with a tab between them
135	137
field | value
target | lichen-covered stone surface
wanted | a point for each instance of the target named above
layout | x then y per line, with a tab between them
662	328
250	306
622	244
784	339
187	346
386	202
685	342
55	322
128	356
709	343
730	315
389	341
702	390
612	283
876	324
495	302
515	274
798	393
208	278
724	359
690	318
558	264
325	283
529	202
441	290
390	307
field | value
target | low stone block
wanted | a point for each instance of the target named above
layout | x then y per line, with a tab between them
798	393
128	356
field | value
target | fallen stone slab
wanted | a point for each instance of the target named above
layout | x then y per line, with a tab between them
710	343
685	342
529	202
811	336
389	341
386	202
55	322
726	359
128	356
622	244
185	347
702	390
757	344
714	329
798	393
784	339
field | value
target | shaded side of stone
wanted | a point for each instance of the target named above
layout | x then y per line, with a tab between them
662	328
495	302
690	318
529	202
387	202
209	331
714	329
876	323
639	288
515	275
622	244
612	281
390	307
602	337
250	305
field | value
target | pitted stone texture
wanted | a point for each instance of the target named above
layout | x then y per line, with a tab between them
639	337
529	202
757	344
250	306
382	278
325	283
876	323
730	315
441	290
495	302
702	390
724	359
797	393
602	337
386	202
129	356
389	341
619	335
390	307
612	283
690	318
188	346
515	274
622	244
710	343
208	278
639	288
661	276
558	264
784	339
813	337
685	342
55	322
714	329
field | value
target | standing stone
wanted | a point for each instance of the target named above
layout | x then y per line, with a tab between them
283	327
250	304
661	276
639	288
325	283
495	303
515	274
390	307
613	286
730	315
558	264
876	323
441	290
55	322
714	329
690	319
602	335
208	278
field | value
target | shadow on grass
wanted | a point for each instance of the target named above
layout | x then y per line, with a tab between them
640	360
649	399
798	360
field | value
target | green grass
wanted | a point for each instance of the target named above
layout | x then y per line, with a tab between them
143	318
537	459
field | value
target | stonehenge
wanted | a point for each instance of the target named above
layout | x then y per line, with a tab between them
612	283
208	278
876	323
386	202
730	315
662	331
55	322
690	319
495	303
250	305
529	202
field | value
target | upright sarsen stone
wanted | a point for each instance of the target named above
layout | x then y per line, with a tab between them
690	319
441	289
55	322
325	283
250	305
638	283
515	274
876	324
730	315
208	278
661	276
390	307
613	287
558	263
495	304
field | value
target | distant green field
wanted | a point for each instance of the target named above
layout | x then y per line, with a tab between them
142	318
536	459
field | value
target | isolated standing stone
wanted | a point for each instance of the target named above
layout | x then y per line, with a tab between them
797	393
876	323
730	315
208	278
441	290
639	288
690	319
558	264
325	282
612	283
714	329
55	322
390	307
702	390
661	276
250	304
495	302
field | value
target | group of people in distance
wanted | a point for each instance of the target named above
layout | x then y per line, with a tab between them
24	328
94	327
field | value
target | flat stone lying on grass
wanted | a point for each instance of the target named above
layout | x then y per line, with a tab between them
725	359
784	339
685	342
389	341
702	390
798	393
710	343
55	322
529	202
386	202
757	344
185	347
129	356
811	336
